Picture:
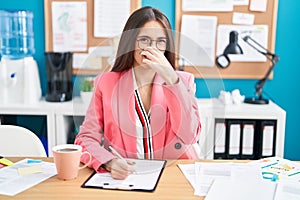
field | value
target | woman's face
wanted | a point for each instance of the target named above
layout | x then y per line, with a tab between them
151	34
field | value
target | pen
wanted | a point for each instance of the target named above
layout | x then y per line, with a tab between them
120	157
110	148
294	174
269	165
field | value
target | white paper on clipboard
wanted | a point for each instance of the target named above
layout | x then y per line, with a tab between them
258	32
145	178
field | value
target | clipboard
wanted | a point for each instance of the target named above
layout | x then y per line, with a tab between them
146	177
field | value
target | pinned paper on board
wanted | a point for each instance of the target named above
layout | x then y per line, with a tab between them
207	5
240	2
69	26
198	34
258	5
258	32
243	18
110	17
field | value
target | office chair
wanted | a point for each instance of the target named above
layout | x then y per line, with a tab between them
19	141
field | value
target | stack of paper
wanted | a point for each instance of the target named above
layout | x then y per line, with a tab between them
270	178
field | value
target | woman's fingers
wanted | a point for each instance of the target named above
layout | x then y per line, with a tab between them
118	175
148	55
160	64
120	169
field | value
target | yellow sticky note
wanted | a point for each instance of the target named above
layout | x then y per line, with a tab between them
30	170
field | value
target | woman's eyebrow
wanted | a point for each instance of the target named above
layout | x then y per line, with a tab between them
162	37
143	36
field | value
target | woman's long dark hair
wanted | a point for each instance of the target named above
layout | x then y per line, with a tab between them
125	53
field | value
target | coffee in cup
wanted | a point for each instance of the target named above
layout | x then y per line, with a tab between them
67	160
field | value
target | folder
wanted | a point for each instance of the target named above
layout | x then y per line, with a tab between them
268	138
248	133
220	140
145	178
234	139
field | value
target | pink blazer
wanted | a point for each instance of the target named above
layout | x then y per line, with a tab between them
110	119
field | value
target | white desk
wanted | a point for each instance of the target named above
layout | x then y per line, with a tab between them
61	115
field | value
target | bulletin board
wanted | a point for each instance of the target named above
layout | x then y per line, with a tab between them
92	41
236	70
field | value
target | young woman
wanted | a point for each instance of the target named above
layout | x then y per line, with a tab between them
143	108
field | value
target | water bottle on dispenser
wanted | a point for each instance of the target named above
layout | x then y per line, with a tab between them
19	76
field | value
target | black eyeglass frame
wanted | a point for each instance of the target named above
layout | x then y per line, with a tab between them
150	43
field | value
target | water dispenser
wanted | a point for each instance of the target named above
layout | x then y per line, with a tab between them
19	77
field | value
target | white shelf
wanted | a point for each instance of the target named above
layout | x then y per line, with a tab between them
211	109
51	110
61	115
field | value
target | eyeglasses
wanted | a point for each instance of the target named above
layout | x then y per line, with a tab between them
144	42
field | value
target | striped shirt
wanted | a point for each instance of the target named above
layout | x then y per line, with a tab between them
143	127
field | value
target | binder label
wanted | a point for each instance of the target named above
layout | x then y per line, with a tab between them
220	138
234	139
268	134
248	139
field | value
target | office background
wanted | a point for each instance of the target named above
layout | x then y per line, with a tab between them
283	89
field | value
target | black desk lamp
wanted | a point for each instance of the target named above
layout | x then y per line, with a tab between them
260	84
233	47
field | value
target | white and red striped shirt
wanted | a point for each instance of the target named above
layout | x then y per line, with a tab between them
143	128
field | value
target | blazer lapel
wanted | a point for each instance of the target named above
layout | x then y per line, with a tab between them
125	112
158	114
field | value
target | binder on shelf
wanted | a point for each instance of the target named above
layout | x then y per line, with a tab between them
247	137
268	138
234	139
220	139
244	139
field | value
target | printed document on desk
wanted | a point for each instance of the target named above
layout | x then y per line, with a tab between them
13	182
280	181
145	178
205	173
279	169
241	189
189	172
249	190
